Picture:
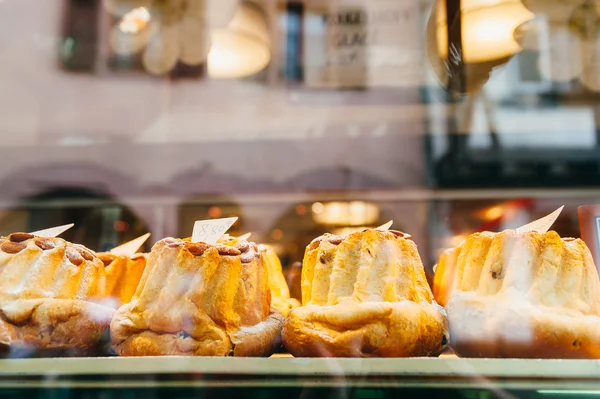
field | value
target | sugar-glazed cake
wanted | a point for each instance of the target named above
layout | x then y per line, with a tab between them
47	286
197	299
524	295
365	295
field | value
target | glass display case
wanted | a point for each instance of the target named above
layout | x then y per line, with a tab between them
314	123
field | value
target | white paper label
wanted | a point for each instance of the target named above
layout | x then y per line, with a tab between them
130	248
209	231
53	232
386	226
541	225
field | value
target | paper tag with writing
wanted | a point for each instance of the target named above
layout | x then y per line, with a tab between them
130	248
245	237
541	225
209	231
386	226
54	231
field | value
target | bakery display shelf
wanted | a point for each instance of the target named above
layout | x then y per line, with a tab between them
286	371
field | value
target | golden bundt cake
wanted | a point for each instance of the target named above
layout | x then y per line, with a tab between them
197	299
444	282
46	288
524	295
123	273
365	295
280	293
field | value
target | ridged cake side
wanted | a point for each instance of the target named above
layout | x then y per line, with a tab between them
525	295
369	267
545	268
46	285
123	273
365	295
280	292
198	299
450	268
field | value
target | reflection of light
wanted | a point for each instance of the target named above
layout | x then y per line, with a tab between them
487	29
493	213
241	49
135	20
345	231
355	213
301	210
121	226
567	392
277	234
214	212
317	207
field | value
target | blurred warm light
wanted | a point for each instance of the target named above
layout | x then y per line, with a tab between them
301	210
135	20
491	213
242	48
344	231
317	207
277	234
121	226
215	212
355	213
488	28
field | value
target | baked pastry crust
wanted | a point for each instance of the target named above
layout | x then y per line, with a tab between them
527	295
280	292
365	295
196	299
123	274
47	286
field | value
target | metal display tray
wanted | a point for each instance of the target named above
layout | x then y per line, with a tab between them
285	371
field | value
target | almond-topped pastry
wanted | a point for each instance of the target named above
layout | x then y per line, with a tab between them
365	295
46	288
123	273
280	292
197	299
523	295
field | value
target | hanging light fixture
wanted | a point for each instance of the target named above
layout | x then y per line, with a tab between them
488	28
348	214
550	33
243	47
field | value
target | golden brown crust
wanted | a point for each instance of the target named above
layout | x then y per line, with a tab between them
123	274
196	299
401	329
280	292
525	295
45	288
261	340
486	327
365	295
38	327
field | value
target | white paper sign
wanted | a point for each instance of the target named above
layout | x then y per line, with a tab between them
209	231
541	225
130	248
53	232
386	226
244	237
